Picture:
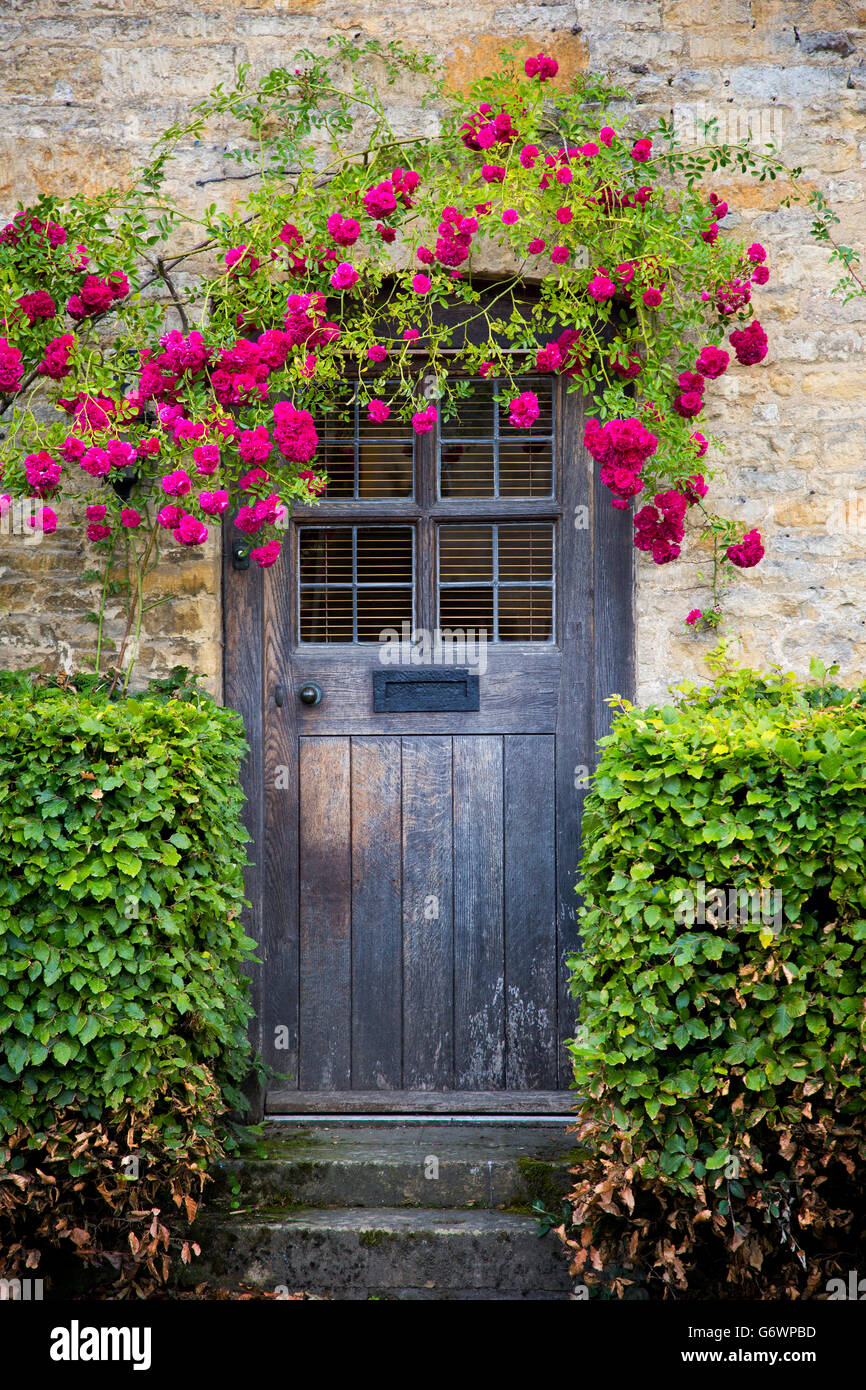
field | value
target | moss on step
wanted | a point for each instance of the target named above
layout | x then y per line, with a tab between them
546	1180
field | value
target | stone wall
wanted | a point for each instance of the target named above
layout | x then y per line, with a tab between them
85	86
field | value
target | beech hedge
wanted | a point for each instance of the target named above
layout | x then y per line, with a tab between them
721	1051
123	1002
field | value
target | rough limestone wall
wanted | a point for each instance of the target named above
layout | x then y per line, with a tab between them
85	85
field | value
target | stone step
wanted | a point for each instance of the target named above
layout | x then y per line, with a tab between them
390	1253
395	1165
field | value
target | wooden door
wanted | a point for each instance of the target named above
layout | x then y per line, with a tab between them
416	829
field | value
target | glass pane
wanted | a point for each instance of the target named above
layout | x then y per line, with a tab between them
380	609
464	608
467	470
525	615
465	554
525	553
326	555
472	418
384	467
326	615
526	469
384	555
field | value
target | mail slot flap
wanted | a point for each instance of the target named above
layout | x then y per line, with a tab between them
402	692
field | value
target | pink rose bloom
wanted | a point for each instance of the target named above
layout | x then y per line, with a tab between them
536	246
606	135
542	67
410	334
97	532
266	555
425	420
96	462
420	283
701	443
688	404
377	353
378	412
130	518
344	230
214	503
641	150
247	521
206	458
756	253
748	554
96	512
344	277
601	288
523	411
712	361
509	217
750	344
652	297
254	446
254	478
45	520
176	484
694	616
190	531
559	255
170	517
760	275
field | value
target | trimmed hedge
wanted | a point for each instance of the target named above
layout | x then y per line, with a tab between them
123	1007
723	1062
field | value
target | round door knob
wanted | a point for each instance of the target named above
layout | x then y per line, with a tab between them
310	694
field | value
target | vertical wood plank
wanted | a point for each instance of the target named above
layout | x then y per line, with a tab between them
613	559
325	914
428	924
479	954
530	913
280	825
377	918
574	719
242	690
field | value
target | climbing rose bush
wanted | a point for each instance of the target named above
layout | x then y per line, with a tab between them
175	408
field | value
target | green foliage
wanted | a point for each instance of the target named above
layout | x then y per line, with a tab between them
723	1061
122	1004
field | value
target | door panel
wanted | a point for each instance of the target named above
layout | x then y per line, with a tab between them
427	913
428	897
325	914
529	840
377	914
479	947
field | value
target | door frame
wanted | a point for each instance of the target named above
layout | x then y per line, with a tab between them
595	588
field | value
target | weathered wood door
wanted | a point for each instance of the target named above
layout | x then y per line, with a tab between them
457	608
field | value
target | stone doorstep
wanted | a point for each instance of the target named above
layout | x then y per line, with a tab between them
348	1211
419	1165
391	1253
